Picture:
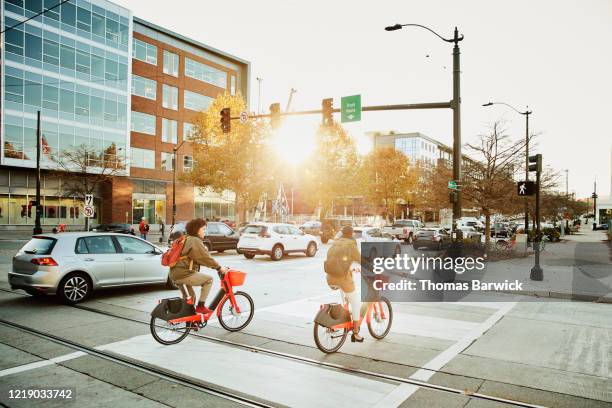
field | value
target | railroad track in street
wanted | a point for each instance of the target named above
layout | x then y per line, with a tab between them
153	370
338	367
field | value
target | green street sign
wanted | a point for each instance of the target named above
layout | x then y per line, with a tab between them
452	184
350	108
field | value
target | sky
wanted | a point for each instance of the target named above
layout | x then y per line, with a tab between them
553	55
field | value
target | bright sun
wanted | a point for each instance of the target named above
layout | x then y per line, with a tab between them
294	141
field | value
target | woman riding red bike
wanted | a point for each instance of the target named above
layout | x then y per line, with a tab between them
194	254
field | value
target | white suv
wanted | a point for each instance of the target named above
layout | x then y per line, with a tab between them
275	239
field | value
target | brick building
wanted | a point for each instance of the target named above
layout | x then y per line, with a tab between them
102	77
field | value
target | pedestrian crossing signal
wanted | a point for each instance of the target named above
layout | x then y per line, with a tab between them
525	188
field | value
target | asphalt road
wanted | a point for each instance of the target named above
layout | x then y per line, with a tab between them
546	353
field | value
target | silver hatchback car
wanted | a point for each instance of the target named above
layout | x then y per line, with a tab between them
72	264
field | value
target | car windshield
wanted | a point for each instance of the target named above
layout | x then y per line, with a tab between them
39	246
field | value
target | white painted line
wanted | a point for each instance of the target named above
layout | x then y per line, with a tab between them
38	364
279	380
397	396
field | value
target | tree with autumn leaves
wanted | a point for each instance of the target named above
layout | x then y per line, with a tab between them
239	161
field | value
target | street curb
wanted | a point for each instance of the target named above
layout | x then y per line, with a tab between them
562	295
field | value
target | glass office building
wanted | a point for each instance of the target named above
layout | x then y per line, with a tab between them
73	65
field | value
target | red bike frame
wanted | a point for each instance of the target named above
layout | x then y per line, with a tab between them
226	290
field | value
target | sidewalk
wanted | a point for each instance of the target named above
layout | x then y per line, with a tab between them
578	268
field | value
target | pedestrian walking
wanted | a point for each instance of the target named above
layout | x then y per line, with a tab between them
143	227
162	229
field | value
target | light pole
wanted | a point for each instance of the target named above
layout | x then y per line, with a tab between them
37	226
174	150
259	95
526	114
456	107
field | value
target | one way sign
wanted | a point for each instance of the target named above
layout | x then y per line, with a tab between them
525	188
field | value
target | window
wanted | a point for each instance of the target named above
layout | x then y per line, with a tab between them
143	123
147	88
169	128
144	51
196	101
96	245
131	245
188	129
205	73
187	163
167	161
143	158
170	97
171	63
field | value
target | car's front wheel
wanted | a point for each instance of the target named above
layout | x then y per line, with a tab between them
277	253
74	288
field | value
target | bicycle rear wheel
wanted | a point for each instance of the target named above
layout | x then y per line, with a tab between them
329	340
168	333
230	319
380	318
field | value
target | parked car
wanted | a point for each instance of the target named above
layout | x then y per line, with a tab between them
602	227
431	238
500	229
311	227
471	222
217	237
469	233
377	235
118	228
73	264
403	229
275	240
331	226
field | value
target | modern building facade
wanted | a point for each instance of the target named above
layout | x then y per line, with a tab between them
126	88
418	147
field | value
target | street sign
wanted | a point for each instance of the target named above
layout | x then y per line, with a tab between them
89	211
452	184
244	117
525	188
89	200
350	108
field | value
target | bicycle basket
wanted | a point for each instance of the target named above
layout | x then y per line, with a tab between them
236	278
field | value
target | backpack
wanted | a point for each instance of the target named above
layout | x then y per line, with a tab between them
173	254
147	227
337	262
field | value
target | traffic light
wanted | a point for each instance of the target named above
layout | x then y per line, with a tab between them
275	115
226	120
328	111
537	160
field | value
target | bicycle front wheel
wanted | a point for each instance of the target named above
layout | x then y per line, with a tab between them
329	340
380	318
232	320
168	333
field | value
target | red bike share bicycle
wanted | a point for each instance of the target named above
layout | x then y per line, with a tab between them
330	337
173	319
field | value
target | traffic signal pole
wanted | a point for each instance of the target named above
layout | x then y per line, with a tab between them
456	106
537	273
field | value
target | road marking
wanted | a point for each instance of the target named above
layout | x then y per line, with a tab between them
38	364
279	380
436	363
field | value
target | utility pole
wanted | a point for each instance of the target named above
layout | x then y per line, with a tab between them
594	196
457	130
37	226
291	92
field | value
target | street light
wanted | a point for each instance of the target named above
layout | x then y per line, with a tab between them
174	150
526	114
456	106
